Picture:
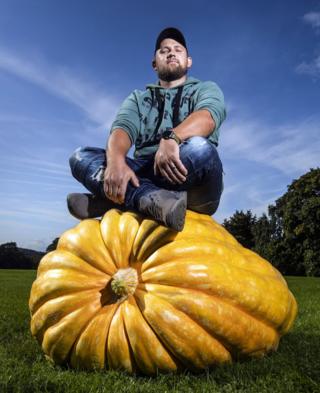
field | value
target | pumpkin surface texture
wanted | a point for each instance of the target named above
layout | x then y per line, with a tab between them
127	293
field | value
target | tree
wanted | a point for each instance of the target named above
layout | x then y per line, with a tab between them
241	225
289	237
295	218
12	258
53	245
262	234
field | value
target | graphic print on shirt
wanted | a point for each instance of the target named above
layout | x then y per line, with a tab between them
164	118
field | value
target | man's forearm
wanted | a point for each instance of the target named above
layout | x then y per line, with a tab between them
199	123
118	145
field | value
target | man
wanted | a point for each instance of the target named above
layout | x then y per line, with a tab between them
174	126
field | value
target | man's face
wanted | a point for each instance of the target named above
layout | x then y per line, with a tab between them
171	60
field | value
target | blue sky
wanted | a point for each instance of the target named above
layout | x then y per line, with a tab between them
66	66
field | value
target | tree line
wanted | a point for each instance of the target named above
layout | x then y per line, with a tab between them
289	235
13	257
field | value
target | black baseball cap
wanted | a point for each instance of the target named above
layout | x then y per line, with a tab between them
173	33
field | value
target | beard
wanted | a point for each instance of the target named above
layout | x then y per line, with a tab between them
168	74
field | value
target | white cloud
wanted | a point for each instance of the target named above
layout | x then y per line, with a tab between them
63	83
39	165
260	160
12	229
38	244
49	214
25	222
312	68
290	149
312	18
53	184
44	172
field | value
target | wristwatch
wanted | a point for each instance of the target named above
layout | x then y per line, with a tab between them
170	134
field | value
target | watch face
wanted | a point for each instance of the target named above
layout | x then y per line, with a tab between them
167	134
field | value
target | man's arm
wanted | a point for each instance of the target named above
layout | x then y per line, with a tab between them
209	113
199	123
167	161
124	131
118	173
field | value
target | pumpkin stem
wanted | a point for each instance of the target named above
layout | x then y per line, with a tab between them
125	282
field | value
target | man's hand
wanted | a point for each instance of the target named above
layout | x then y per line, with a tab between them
116	178
167	162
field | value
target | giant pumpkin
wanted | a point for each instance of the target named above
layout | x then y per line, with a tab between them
128	293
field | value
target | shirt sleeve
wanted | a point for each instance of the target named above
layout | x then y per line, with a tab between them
210	97
128	118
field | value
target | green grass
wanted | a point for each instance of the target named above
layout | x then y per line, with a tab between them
295	367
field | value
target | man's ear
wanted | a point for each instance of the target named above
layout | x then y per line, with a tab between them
189	62
154	64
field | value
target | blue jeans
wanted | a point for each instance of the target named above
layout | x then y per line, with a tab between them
204	182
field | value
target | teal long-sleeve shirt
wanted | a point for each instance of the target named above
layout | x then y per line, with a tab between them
144	118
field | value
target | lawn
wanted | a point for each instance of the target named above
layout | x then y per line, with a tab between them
295	367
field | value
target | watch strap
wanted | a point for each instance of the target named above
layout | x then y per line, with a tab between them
170	134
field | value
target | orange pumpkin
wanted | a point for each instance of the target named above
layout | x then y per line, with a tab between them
128	293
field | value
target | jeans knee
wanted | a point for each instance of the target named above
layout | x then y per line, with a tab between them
196	146
79	161
197	152
76	157
81	156
196	143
